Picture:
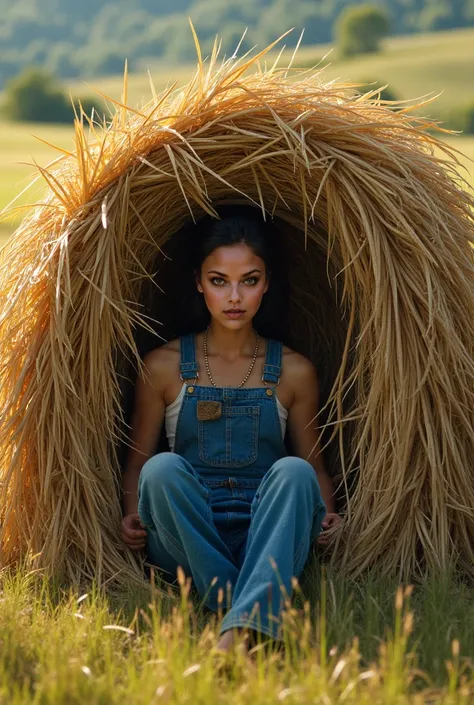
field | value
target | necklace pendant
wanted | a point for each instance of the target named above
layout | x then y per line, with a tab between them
209	410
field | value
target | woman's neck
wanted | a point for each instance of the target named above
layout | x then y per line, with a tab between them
230	344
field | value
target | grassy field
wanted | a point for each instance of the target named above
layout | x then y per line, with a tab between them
19	149
353	642
441	62
437	63
344	642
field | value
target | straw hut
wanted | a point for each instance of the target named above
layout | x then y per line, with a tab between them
377	231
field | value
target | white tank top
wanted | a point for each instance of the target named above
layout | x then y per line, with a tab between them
172	412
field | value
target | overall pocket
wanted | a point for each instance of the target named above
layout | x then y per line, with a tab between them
232	439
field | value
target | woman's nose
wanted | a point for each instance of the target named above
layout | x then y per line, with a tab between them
234	294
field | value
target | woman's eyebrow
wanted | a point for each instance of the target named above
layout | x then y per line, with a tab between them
214	271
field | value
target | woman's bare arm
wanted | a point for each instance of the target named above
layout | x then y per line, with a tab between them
147	420
303	428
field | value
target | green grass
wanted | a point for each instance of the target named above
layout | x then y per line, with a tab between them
415	66
19	149
351	642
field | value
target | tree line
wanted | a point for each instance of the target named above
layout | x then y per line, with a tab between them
92	37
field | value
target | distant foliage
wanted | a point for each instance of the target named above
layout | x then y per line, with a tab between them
93	37
462	119
34	96
360	29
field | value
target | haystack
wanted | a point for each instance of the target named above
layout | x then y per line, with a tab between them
378	233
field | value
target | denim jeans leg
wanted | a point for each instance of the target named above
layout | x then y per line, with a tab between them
286	516
174	505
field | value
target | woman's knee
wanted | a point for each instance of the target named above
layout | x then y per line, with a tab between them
294	470
162	470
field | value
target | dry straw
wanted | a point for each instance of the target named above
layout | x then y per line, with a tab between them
379	234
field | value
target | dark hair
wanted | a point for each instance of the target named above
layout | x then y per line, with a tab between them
238	224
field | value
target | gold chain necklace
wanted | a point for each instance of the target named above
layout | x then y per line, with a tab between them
206	360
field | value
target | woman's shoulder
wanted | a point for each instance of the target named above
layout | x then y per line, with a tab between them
163	357
297	366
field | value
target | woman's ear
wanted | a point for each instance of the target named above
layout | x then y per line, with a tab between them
198	284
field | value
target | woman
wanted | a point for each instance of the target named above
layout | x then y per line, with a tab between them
228	504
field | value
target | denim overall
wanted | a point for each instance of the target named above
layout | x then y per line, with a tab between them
229	501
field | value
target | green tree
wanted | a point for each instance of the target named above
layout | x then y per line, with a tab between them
93	37
359	29
34	96
468	11
462	119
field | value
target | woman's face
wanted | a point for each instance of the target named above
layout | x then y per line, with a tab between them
233	281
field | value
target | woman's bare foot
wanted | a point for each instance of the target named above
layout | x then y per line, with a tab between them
228	639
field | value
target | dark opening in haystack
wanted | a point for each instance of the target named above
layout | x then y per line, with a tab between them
308	317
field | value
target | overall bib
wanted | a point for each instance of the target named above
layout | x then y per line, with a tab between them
228	505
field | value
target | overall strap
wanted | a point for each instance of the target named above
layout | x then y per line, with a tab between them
188	367
272	366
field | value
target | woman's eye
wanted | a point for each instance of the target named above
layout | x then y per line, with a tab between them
219	281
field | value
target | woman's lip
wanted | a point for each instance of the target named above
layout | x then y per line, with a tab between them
234	313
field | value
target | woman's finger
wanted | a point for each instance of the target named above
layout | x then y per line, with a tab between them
133	542
134	533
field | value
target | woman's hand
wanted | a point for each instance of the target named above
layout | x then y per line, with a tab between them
330	521
133	532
